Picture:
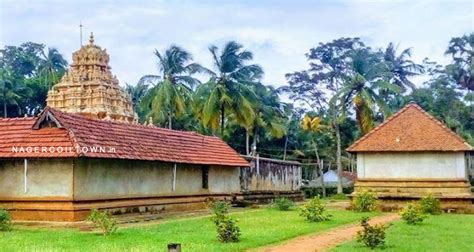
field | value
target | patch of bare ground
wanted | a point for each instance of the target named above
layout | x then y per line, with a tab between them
326	240
123	220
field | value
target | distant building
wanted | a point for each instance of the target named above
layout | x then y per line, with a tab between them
331	179
410	155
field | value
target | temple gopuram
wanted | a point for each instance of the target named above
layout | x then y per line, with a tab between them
90	89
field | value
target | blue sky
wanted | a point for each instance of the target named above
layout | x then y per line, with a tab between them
278	32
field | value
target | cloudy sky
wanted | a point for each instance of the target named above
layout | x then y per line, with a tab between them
278	32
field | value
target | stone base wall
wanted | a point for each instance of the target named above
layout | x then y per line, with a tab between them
68	210
264	197
453	188
454	194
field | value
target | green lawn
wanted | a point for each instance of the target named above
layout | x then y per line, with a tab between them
447	232
259	227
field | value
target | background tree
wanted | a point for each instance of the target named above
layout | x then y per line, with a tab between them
229	89
51	66
171	93
136	94
269	115
367	77
461	49
319	86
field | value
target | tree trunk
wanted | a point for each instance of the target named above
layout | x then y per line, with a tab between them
5	108
170	121
338	157
319	166
321	171
255	140
286	146
222	120
247	142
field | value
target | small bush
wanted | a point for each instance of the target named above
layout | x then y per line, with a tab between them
314	210
219	207
227	230
5	220
364	201
104	221
372	236
430	205
412	214
283	204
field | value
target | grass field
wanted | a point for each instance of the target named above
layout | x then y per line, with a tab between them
259	227
437	233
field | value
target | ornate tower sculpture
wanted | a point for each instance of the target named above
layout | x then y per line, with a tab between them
88	88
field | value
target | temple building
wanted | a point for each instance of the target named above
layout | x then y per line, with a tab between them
410	155
90	89
84	151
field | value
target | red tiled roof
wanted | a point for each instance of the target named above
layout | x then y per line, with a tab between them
129	141
410	129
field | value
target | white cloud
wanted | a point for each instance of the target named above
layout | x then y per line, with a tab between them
278	32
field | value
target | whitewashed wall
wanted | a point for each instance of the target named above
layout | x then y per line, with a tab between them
411	165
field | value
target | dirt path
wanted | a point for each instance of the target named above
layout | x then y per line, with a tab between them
325	240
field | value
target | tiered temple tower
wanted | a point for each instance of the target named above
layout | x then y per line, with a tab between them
90	89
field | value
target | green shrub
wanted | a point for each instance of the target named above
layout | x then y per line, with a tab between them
227	230
372	236
5	220
412	214
314	210
430	205
103	220
219	207
364	201
283	204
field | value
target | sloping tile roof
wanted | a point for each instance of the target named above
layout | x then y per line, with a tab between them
120	140
410	129
18	132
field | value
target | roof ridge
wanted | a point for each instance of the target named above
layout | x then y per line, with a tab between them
389	119
445	132
82	117
18	118
443	126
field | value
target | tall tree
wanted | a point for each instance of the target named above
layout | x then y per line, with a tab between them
171	94
313	125
229	89
10	92
401	67
269	115
366	77
136	93
51	66
461	49
319	86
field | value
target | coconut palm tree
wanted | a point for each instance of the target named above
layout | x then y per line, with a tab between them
171	93
136	93
51	66
269	115
313	125
401	67
229	89
367	75
10	92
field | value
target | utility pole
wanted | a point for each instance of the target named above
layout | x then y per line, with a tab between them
80	32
